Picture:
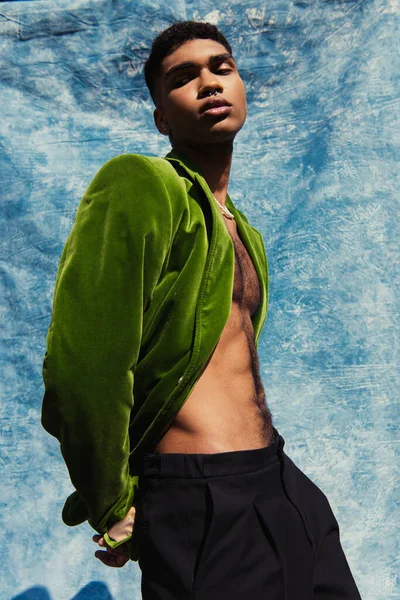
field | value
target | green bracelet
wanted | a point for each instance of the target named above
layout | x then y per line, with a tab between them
114	543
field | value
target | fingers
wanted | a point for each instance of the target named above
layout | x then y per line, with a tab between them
111	559
99	539
121	549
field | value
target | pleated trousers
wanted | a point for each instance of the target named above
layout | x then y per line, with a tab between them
241	525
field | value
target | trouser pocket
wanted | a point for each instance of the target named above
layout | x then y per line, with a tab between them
162	538
142	505
332	577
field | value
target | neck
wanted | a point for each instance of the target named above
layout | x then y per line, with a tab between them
214	161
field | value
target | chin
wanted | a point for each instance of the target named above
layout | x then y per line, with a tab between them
223	134
224	128
216	137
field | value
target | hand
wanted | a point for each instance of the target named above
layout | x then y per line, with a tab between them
116	557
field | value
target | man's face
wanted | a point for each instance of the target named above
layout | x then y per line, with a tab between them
189	76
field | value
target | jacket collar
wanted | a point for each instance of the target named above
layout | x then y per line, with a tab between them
194	172
190	165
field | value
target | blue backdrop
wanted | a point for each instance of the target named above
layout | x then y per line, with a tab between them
315	169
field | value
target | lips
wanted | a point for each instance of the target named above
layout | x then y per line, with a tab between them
214	103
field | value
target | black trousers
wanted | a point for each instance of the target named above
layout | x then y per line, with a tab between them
241	525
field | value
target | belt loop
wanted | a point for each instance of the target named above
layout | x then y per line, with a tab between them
152	464
182	465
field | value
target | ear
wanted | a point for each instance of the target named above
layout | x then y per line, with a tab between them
161	121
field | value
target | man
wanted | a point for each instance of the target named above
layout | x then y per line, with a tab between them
151	373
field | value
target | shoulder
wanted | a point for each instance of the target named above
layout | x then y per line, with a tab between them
137	187
137	170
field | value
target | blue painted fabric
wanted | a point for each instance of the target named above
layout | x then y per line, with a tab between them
315	170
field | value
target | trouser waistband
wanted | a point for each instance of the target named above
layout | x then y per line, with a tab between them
208	465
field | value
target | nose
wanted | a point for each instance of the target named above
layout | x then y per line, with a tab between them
209	83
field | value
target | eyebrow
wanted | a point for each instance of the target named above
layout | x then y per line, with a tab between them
215	58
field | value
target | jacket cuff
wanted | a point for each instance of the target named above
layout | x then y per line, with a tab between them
120	509
75	510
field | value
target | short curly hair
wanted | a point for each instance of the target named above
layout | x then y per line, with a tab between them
172	38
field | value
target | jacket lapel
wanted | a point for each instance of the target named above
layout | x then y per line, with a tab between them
250	236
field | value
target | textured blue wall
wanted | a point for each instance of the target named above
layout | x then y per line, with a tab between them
316	169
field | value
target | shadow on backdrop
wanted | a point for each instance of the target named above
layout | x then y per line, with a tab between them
95	590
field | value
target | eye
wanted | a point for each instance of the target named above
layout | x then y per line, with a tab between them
180	82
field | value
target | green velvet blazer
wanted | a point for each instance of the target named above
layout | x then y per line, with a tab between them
142	294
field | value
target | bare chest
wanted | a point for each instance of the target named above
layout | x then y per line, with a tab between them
246	287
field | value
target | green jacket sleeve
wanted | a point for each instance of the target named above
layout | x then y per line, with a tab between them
110	265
